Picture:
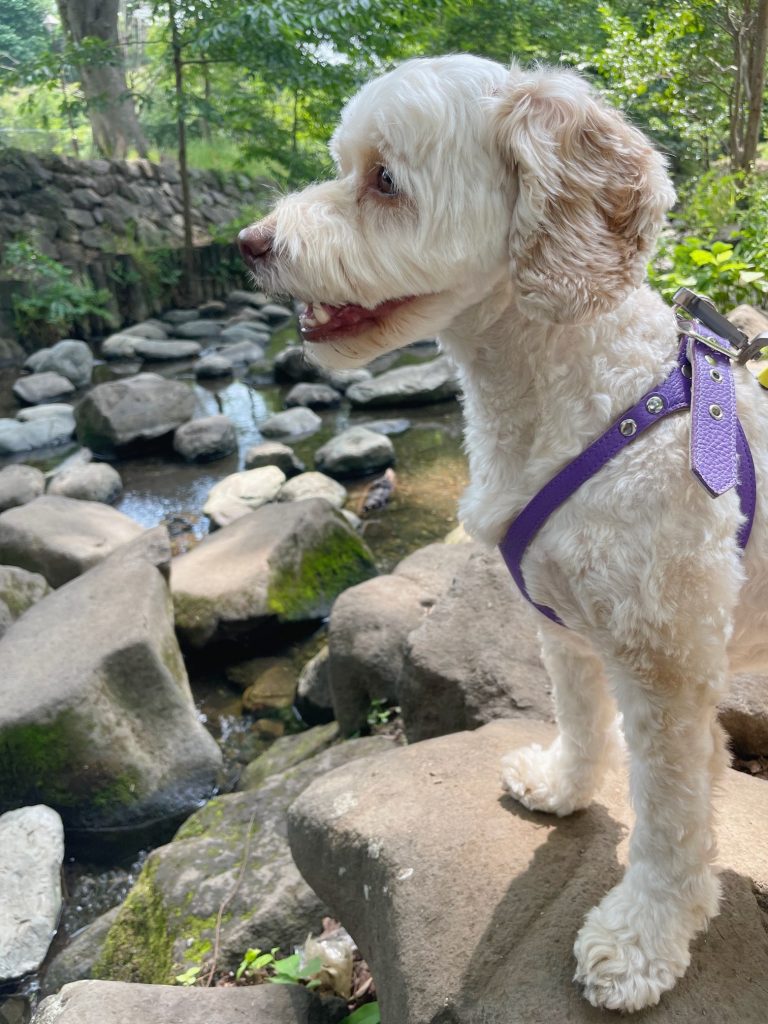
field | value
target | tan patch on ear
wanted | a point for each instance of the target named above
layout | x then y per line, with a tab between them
593	194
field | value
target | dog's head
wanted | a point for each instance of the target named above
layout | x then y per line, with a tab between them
458	178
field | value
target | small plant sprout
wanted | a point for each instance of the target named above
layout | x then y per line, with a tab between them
188	977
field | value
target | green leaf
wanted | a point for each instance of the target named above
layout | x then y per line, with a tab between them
701	256
368	1013
750	276
189	977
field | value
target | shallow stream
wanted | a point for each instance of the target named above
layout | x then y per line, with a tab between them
160	488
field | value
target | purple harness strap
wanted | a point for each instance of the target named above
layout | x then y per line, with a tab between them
720	455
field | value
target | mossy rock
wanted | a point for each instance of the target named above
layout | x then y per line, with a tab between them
281	564
232	853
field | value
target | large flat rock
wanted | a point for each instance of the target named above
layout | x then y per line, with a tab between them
284	563
111	1002
97	719
62	537
31	854
466	906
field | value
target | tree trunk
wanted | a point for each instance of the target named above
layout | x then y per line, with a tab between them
181	132
109	102
758	48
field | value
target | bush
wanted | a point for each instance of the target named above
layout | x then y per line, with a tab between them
715	270
57	299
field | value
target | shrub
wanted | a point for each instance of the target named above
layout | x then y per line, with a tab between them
57	299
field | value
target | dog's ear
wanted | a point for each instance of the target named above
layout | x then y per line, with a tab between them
591	196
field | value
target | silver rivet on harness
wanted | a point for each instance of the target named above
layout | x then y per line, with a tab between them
628	427
715	412
655	403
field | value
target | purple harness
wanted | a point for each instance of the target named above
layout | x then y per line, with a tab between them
720	455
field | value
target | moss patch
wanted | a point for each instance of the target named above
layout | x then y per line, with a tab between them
193	614
139	946
44	762
306	588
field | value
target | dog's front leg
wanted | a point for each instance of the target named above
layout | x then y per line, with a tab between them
563	778
635	943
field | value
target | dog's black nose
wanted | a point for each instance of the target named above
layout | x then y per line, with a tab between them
255	242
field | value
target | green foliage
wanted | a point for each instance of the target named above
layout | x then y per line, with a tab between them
258	966
368	1013
715	270
657	64
57	299
22	33
188	977
380	713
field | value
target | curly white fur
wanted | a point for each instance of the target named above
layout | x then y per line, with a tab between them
525	214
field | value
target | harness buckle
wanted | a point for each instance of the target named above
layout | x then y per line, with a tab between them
701	308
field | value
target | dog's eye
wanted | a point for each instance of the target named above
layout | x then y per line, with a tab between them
385	182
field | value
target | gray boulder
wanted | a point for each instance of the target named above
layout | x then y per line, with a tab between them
198	330
42	387
370	625
313	396
62	537
240	297
93	675
240	493
201	440
342	380
419	849
19	484
185	882
94	481
69	358
19	590
139	409
213	366
744	715
241	353
165	351
120	346
475	657
397	426
297	422
32	844
313	485
62	410
282	563
276	314
253	332
24	436
75	961
180	316
153	329
434	381
313	693
292	364
286	752
109	1002
355	452
274	453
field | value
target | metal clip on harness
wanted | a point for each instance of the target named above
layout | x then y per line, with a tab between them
699	307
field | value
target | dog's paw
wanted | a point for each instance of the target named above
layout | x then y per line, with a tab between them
632	948
541	780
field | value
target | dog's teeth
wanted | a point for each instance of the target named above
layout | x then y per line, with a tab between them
322	314
308	321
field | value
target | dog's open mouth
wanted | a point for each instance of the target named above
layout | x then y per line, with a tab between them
321	322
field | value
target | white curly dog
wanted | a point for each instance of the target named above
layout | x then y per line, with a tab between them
512	213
